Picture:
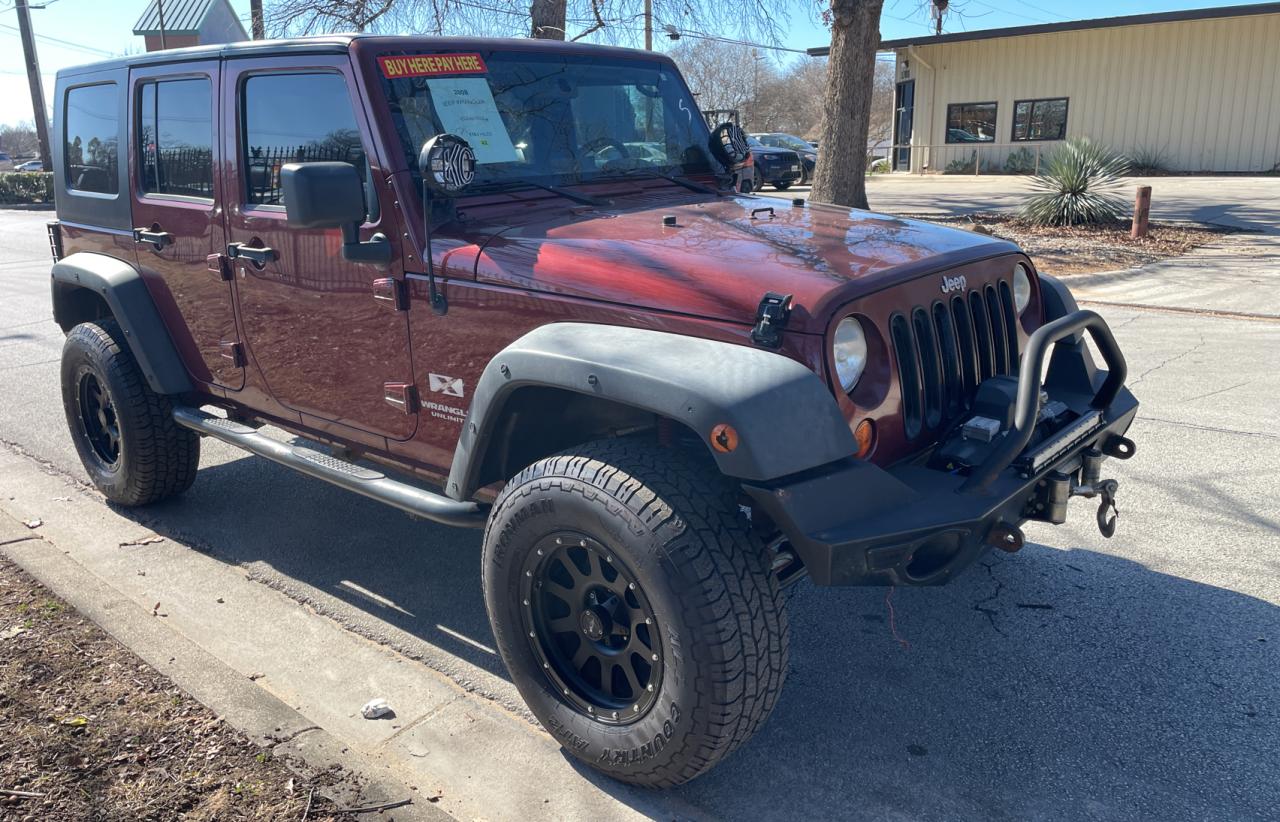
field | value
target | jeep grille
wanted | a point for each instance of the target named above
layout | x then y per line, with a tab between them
944	350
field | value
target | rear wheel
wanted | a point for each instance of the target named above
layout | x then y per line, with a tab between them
124	432
635	608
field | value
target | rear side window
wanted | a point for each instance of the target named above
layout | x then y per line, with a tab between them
175	137
295	118
91	136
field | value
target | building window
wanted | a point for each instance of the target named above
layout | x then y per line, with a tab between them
295	118
175	138
971	123
90	155
1040	119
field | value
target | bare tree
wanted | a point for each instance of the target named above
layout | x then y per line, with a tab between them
721	75
19	140
287	17
855	36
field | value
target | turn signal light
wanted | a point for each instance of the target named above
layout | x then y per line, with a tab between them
865	435
724	438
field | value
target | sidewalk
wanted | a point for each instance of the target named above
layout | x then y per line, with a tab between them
291	678
1239	274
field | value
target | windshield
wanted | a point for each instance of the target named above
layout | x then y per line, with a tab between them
549	119
786	141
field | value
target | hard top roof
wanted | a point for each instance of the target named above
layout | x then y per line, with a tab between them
341	43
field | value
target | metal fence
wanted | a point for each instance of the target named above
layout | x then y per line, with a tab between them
973	158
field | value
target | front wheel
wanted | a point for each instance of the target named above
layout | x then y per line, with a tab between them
635	608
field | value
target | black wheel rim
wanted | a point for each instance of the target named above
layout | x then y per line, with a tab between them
592	629
98	416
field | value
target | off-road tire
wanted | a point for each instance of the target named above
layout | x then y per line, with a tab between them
672	523
156	458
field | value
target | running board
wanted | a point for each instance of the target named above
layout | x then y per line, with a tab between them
364	481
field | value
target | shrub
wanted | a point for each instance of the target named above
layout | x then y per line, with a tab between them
1076	185
1147	160
26	187
1022	161
961	165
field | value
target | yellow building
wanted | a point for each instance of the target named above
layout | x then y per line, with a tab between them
1194	90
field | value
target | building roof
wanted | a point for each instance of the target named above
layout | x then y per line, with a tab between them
180	16
1074	25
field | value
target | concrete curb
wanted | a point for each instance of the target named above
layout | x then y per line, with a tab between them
266	720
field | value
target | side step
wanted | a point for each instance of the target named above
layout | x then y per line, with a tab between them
364	481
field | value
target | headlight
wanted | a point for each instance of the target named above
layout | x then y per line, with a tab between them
1021	287
850	351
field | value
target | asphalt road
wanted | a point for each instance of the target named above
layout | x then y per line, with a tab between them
1080	678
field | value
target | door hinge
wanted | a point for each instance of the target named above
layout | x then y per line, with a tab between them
402	395
391	291
233	351
218	264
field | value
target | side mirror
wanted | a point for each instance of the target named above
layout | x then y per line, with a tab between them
331	195
447	164
728	145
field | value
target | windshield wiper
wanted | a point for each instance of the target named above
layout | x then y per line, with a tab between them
680	181
568	195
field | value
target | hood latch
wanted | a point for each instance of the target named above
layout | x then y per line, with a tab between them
771	319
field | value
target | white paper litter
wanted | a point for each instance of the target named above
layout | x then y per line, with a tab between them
375	709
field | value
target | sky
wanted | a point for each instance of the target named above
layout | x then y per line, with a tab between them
70	32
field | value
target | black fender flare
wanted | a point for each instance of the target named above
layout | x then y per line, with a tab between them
786	418
1056	298
120	285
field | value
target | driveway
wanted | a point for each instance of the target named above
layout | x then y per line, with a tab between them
1251	203
1080	678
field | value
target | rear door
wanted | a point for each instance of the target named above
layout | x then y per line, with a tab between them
177	217
320	329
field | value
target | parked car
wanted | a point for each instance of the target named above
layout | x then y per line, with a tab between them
6	162
30	165
661	399
779	167
807	151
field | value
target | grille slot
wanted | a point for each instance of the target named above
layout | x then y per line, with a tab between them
945	350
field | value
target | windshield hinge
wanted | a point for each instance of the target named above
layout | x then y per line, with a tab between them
771	319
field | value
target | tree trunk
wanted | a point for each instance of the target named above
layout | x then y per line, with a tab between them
547	18
855	34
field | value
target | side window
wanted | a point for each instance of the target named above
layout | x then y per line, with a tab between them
91	135
295	118
175	137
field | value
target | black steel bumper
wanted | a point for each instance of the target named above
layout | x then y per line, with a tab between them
855	523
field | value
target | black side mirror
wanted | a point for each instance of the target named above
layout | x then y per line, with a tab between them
331	195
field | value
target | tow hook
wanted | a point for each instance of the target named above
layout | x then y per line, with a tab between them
1091	485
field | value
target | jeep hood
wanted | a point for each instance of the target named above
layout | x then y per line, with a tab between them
723	254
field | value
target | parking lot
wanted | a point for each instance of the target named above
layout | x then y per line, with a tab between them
1079	678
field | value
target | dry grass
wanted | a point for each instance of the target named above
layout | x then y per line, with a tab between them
100	735
1090	249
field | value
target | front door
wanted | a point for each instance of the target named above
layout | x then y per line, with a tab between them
904	103
176	214
326	341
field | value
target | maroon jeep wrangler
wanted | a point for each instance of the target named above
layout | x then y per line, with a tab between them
516	272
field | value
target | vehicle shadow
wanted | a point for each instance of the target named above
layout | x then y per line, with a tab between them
1057	683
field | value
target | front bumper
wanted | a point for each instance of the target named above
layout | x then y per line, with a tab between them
855	523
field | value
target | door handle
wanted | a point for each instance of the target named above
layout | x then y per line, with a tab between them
257	256
158	239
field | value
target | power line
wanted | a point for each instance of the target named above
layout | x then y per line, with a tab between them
64	43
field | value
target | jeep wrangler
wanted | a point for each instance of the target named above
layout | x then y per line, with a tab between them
508	285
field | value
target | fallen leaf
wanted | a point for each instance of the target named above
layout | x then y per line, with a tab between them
74	721
10	633
34	523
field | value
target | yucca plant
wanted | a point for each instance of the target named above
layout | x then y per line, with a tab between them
1077	185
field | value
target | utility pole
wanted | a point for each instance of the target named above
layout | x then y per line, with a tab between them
648	25
255	16
160	11
33	80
